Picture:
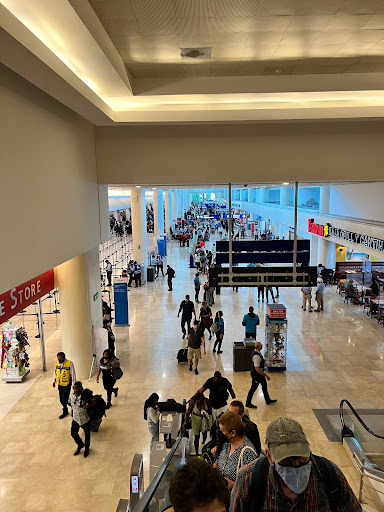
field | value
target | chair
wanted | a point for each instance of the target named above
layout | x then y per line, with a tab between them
372	307
380	314
366	304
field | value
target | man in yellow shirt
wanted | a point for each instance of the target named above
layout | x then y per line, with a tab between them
63	375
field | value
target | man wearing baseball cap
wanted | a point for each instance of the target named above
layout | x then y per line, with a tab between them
290	477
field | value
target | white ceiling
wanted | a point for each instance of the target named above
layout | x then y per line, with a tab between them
248	37
123	57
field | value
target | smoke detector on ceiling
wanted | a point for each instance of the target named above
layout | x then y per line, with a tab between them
195	53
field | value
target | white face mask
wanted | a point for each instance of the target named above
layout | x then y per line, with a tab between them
295	478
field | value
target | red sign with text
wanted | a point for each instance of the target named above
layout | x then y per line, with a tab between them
15	300
317	229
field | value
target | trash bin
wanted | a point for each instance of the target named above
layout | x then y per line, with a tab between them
151	274
239	356
249	348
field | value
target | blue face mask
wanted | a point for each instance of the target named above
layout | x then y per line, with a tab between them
295	478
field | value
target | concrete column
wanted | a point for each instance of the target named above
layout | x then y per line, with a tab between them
242	194
174	214
264	193
313	261
251	195
139	226
326	253
158	213
80	304
160	209
285	196
325	194
168	210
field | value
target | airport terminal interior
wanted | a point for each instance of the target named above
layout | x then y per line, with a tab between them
152	149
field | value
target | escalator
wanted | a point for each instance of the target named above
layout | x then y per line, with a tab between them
366	446
156	497
368	439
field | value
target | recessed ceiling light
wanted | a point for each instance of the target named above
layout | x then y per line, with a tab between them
286	183
278	70
138	186
154	188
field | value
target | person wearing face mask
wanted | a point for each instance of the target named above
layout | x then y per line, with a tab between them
80	418
195	340
237	450
258	377
290	477
63	376
187	309
106	366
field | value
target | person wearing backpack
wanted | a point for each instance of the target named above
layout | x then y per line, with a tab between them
107	364
290	477
171	274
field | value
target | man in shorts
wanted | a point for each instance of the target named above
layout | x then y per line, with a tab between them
195	340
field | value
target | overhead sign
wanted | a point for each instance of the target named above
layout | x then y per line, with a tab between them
318	229
17	299
326	230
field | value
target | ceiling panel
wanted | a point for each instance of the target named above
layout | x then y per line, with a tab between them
254	36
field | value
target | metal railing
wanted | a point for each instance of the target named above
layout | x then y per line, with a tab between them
363	461
346	431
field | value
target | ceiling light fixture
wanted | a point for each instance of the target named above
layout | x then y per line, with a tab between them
138	186
154	188
286	183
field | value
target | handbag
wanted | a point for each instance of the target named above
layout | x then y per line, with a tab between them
208	323
240	464
117	373
215	328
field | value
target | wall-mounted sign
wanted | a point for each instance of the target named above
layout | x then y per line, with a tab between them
17	299
318	229
347	236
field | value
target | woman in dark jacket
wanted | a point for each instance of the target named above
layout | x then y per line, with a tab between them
107	364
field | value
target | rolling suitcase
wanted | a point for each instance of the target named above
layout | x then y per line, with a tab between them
182	355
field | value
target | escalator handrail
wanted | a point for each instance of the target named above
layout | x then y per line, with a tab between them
151	489
344	401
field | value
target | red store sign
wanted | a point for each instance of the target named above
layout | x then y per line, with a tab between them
318	229
15	300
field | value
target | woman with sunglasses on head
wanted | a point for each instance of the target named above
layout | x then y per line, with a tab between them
237	450
107	364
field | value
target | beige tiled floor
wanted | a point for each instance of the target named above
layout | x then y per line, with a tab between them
333	355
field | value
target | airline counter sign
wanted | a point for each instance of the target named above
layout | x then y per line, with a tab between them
326	230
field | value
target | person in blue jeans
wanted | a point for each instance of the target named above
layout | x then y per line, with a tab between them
250	322
220	333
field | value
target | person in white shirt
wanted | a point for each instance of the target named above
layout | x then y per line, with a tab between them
307	298
152	414
319	295
159	265
109	271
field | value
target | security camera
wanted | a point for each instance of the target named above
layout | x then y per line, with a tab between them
246	185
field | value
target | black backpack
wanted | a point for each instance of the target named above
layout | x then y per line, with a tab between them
98	410
327	472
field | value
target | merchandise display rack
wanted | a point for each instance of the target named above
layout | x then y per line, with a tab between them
276	338
14	357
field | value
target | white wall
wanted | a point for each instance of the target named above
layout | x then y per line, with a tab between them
362	201
49	207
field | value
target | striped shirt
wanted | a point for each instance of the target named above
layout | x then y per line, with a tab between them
313	499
